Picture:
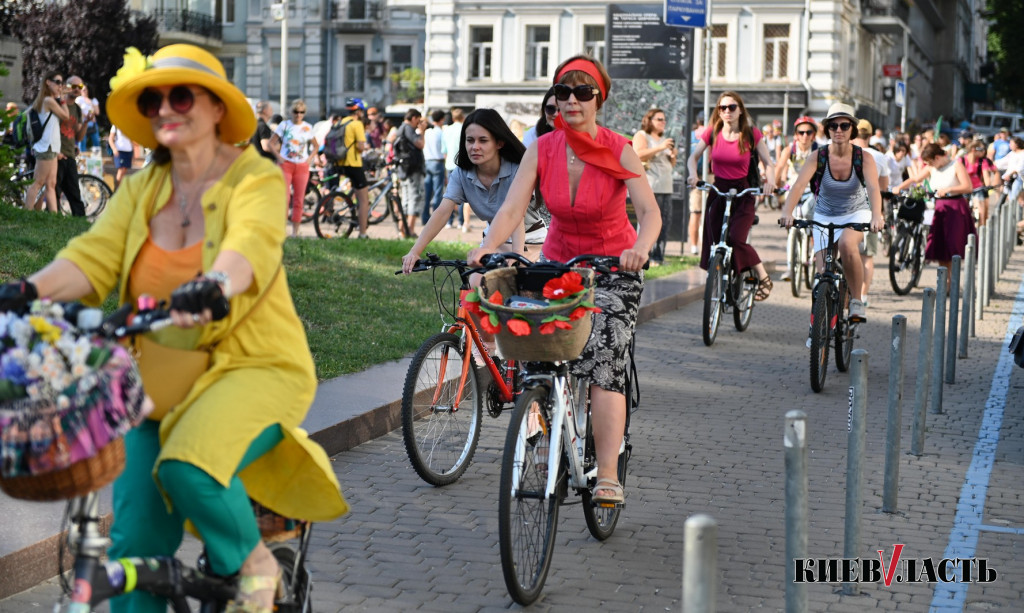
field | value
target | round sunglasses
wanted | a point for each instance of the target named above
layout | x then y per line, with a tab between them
583	93
181	99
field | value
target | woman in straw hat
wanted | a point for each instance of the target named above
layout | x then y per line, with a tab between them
843	196
588	215
201	227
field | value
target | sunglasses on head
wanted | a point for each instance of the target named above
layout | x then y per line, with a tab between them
181	99
842	126
979	148
550	109
805	132
728	107
583	93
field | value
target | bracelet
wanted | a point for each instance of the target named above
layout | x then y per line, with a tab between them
222	279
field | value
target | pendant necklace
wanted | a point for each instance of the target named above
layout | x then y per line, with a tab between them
184	202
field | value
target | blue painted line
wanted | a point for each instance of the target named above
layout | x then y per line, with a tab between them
1002	529
963	540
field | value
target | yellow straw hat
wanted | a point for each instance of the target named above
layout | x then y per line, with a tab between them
175	65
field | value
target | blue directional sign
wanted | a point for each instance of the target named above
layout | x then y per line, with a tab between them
900	94
686	13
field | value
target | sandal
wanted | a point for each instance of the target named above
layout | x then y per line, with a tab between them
764	289
616	497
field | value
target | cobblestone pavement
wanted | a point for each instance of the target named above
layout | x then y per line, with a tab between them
708	439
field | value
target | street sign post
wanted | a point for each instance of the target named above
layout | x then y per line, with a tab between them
901	94
685	13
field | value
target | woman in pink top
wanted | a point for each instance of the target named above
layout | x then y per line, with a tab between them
731	138
584	172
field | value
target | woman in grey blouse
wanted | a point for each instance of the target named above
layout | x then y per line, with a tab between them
488	158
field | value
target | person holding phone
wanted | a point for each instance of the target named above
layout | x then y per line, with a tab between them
657	151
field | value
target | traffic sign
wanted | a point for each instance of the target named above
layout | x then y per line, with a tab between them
901	94
892	70
686	13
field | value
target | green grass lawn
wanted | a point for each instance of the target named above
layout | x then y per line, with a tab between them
357	312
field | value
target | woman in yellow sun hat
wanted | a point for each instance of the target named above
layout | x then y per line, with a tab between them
201	227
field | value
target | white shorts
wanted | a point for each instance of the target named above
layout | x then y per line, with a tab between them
821	234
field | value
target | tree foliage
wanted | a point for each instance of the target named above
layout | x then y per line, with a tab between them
83	37
1006	49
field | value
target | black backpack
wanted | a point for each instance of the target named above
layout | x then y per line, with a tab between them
335	149
819	172
26	129
408	157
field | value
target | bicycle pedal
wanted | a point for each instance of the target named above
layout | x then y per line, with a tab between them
610	505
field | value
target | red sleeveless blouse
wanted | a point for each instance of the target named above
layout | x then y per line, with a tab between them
597	222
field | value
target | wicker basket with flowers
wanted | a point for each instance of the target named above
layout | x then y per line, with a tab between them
66	399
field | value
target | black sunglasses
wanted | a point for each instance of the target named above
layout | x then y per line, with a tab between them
298	112
181	99
58	81
841	126
728	107
550	109
804	132
583	93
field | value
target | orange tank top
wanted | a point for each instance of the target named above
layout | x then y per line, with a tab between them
158	272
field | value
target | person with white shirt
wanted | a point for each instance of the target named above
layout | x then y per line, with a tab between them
433	154
451	136
878	139
869	246
898	160
1011	165
124	153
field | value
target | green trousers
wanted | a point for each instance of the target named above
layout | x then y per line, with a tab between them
143	527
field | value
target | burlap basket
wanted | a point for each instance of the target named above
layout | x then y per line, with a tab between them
562	344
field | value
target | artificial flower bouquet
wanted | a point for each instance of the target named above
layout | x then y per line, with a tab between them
534	315
65	394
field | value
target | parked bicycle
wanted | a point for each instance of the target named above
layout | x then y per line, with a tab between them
800	249
906	256
726	290
830	308
94	191
95	579
549	449
442	402
338	211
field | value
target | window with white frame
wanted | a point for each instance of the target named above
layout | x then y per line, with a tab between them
776	51
355	68
481	48
224	10
294	74
719	38
593	41
538	49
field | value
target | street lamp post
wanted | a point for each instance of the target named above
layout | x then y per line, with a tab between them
279	10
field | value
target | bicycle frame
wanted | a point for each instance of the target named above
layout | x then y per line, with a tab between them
465	322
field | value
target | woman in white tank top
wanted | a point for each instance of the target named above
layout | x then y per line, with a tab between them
953	221
49	105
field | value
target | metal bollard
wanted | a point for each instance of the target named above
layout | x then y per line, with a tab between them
924	372
939	340
967	321
982	272
993	254
700	564
954	319
795	442
855	460
895	421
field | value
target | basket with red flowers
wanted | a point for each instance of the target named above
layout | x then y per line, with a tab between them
537	314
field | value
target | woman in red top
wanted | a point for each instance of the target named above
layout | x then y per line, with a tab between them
731	137
982	172
588	215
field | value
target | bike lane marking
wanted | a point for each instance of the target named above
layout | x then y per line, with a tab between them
970	509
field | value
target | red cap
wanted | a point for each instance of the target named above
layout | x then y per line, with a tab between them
804	119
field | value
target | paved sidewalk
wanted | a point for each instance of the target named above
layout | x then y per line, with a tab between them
708	439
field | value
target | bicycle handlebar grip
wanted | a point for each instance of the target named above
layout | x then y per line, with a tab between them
700	183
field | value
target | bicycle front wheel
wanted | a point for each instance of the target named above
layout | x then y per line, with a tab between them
378	203
335	216
821	316
714	290
95	194
744	290
527	517
311	200
843	330
794	261
441	410
905	261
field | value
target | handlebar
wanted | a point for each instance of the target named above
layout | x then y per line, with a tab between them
732	193
805	223
601	263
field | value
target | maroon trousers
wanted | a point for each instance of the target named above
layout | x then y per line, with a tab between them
740	221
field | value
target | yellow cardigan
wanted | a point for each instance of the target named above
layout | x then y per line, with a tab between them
263	374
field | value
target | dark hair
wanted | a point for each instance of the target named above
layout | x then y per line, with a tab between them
1018	141
437	115
647	124
899	146
542	126
276	118
746	141
489	119
412	114
932	151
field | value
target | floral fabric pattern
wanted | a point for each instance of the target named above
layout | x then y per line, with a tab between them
605	359
296	140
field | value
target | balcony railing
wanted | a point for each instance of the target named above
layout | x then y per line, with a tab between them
899	9
357	10
187	21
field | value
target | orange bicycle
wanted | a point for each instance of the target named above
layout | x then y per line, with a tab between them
442	402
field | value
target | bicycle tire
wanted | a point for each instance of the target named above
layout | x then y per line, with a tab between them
601	521
401	224
377	197
311	201
335	215
821	315
713	290
439	440
793	261
527	522
296	582
94	193
905	261
843	333
808	258
743	301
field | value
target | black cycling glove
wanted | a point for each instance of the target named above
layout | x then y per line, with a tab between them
16	296
198	294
